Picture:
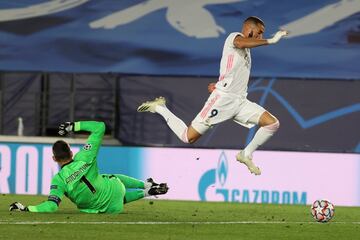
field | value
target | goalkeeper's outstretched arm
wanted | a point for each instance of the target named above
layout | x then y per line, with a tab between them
97	130
47	206
90	150
57	190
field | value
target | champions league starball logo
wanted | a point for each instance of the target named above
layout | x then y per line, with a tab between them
215	178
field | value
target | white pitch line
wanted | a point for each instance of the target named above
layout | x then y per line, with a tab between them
161	223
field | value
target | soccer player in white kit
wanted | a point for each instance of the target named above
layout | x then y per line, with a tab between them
228	96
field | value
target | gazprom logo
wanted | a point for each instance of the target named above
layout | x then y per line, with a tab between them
215	180
222	169
213	176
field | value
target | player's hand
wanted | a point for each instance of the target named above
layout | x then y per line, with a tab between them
278	35
16	206
65	128
211	87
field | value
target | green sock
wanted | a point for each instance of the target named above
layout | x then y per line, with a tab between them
133	195
130	182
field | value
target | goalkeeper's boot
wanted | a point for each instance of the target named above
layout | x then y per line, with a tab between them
248	162
157	189
150	106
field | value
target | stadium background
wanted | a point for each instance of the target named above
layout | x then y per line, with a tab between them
60	61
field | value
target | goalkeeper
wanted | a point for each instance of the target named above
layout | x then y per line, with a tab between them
80	181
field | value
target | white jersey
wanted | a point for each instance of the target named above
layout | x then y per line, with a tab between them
235	68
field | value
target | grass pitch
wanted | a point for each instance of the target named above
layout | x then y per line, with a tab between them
159	219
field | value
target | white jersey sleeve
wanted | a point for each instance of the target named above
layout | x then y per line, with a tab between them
230	39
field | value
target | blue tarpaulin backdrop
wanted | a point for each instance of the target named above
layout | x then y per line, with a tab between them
176	37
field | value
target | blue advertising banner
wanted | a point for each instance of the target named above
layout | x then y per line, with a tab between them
177	37
29	168
198	174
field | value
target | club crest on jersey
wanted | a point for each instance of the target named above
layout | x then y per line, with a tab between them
87	147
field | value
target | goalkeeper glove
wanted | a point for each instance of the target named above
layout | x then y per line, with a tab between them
16	206
65	128
277	37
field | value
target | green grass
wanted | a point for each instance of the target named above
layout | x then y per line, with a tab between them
184	220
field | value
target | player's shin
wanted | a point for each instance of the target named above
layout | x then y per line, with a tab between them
134	195
262	135
174	123
130	182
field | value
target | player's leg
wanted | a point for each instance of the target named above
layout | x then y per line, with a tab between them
127	196
121	184
251	114
150	187
130	182
218	108
192	134
268	125
184	133
133	195
136	189
176	124
116	194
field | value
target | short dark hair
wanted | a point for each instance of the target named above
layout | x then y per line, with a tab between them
255	20
61	150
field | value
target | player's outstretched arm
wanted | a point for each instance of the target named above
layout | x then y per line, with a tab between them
51	205
47	206
241	42
97	130
278	35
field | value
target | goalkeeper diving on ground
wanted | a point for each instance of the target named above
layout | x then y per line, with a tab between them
80	181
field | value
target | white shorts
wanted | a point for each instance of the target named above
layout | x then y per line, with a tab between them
222	106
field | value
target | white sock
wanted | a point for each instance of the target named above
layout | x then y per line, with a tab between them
146	192
175	123
147	185
262	135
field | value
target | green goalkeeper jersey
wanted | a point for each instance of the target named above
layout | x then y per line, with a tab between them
80	181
